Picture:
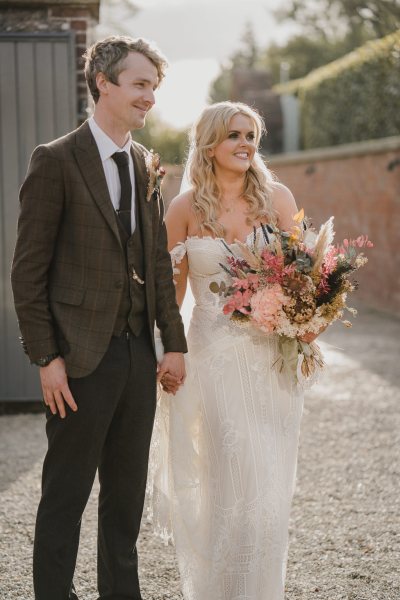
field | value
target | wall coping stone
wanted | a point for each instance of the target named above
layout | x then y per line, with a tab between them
387	144
54	3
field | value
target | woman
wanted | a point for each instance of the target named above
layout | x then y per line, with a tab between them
231	432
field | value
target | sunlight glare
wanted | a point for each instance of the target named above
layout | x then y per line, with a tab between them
184	92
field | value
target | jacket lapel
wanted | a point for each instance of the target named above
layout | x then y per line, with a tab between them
90	165
144	207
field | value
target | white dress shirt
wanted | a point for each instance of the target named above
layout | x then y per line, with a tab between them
107	148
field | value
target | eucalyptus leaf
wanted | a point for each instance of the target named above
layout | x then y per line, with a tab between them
214	287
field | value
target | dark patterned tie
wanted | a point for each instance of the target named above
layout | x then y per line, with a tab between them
125	204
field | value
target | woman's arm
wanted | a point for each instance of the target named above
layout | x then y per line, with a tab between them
285	206
177	222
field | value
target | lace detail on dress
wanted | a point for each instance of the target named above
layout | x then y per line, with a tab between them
177	253
224	450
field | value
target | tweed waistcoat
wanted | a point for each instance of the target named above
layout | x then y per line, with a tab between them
132	308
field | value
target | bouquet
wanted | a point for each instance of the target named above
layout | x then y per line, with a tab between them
296	284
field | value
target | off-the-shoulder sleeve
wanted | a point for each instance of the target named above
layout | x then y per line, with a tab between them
177	253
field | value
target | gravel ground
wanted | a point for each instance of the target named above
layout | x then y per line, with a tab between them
344	532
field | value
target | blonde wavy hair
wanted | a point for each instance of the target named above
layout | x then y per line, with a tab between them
212	128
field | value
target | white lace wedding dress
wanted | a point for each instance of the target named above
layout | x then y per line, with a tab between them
224	452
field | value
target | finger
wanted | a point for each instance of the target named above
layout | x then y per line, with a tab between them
161	373
49	401
68	397
52	406
170	379
60	403
170	389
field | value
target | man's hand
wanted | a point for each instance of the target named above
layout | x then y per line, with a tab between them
55	387
171	371
170	384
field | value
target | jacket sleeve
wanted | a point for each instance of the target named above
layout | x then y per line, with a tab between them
41	208
168	318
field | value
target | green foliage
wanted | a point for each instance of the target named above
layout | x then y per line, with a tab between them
171	144
354	98
221	87
248	55
328	35
377	18
303	53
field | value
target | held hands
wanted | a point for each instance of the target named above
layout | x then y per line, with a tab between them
171	372
55	387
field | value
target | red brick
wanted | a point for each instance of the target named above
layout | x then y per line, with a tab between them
79	24
81	38
67	11
362	193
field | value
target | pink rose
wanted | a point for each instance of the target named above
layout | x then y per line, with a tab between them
265	305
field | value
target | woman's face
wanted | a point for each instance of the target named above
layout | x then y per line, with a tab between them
236	152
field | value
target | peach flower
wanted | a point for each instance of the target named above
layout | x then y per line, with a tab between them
265	305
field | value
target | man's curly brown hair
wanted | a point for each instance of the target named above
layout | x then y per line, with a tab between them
107	56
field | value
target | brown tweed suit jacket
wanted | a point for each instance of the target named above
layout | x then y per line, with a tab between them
68	267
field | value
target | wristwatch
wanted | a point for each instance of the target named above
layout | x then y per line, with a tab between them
43	361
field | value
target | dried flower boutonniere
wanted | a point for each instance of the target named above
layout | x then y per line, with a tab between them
155	172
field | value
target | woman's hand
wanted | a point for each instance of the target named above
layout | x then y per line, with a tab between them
309	337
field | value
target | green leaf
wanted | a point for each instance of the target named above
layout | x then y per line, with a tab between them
214	287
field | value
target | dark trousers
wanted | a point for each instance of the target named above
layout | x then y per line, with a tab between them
111	432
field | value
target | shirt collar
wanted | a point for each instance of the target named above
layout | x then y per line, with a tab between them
105	144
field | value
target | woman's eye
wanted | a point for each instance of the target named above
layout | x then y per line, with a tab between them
250	137
233	136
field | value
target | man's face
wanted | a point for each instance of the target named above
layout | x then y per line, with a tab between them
129	102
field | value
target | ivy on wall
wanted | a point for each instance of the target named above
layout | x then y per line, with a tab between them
354	98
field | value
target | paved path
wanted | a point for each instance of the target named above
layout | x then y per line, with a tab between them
345	534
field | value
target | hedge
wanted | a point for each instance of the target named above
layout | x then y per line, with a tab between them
354	98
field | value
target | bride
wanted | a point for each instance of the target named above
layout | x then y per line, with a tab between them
224	457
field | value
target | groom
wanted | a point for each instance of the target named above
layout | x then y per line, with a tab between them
91	274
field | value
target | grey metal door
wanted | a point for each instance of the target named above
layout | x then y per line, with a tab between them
37	104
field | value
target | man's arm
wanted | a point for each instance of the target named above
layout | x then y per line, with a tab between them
168	318
41	207
42	201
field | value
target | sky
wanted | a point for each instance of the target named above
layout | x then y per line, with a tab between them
197	36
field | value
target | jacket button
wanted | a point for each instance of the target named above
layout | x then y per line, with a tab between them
119	285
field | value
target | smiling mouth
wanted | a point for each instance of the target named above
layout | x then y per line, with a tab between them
242	155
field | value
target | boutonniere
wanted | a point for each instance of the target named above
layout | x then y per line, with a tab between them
155	172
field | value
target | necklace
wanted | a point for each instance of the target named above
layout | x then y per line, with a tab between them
231	206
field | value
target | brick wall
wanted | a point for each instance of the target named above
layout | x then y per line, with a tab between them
79	16
360	185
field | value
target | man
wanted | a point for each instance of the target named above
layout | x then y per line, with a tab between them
91	275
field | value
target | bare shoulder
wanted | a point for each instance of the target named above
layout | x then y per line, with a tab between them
182	203
281	196
285	205
178	218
